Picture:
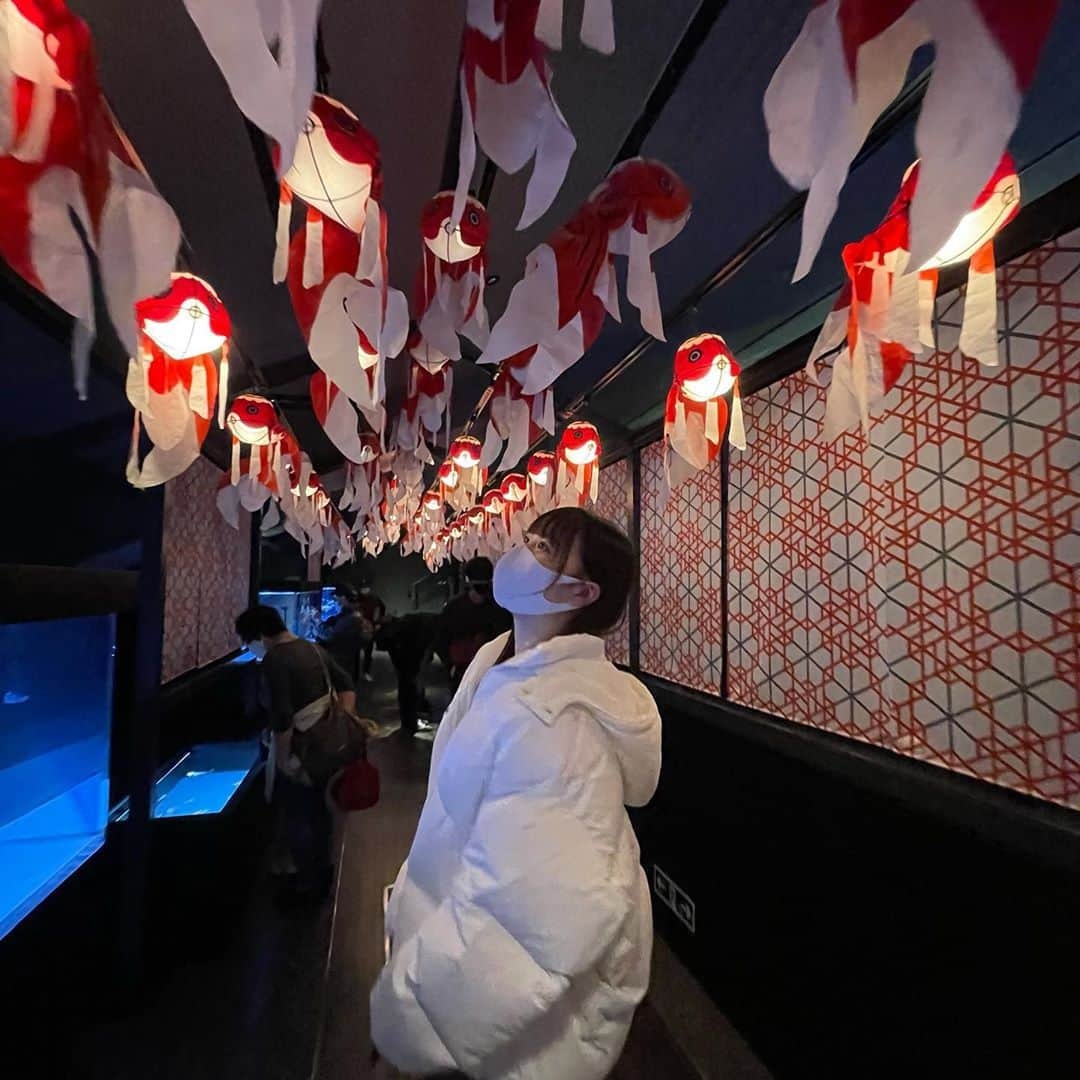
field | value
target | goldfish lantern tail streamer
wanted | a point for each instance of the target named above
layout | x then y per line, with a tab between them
266	53
508	107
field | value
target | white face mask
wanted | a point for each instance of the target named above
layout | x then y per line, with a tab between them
257	649
520	581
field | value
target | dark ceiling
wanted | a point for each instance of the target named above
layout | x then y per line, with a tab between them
394	63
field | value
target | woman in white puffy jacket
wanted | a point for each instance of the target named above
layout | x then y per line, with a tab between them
521	925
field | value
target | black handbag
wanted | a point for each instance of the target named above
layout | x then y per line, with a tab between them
333	742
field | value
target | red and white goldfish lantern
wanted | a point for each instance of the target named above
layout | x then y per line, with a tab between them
557	309
578	455
516	420
542	472
883	315
362	477
427	399
70	181
465	453
449	294
506	99
851	60
253	421
352	325
337	172
172	382
514	491
449	479
697	411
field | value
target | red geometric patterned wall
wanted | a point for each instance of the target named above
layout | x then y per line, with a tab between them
920	593
614	501
207	567
681	576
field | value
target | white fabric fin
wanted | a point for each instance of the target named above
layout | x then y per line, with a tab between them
598	26
549	22
466	154
737	430
641	285
313	250
978	331
281	237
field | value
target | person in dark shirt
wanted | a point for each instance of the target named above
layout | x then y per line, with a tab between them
471	619
373	611
298	677
407	639
348	633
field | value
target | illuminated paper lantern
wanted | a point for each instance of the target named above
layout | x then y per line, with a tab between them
253	421
851	60
362	477
556	311
883	315
506	99
172	382
465	454
449	293
70	181
542	472
697	412
578	456
427	398
337	172
266	52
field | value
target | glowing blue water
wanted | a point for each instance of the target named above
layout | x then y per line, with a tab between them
55	717
202	780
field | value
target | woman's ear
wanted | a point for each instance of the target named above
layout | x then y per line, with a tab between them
588	592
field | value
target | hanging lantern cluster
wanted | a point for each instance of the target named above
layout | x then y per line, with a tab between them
173	380
883	315
696	415
558	308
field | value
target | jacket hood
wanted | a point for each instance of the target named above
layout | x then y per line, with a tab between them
572	671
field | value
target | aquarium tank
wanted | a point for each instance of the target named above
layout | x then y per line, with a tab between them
301	609
202	780
331	606
56	678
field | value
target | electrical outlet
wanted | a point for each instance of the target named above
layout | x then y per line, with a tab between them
675	898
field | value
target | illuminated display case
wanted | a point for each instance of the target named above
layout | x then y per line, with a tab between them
56	682
301	609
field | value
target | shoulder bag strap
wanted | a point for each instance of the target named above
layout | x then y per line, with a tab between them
326	673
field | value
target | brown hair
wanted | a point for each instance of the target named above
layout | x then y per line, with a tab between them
608	559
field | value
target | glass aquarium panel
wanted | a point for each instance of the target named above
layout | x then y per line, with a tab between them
331	606
201	780
56	678
301	609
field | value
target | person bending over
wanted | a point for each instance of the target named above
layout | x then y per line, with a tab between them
520	925
296	674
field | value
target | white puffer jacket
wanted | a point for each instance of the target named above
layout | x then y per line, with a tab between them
521	922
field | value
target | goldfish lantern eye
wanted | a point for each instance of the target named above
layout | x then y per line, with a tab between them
695	356
309	124
474	218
